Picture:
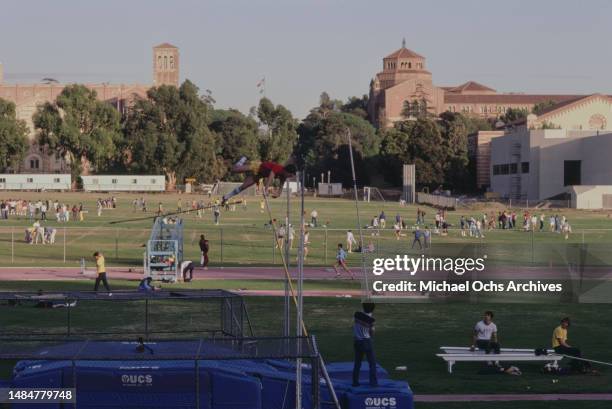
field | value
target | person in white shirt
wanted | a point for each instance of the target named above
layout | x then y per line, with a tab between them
350	240
485	335
187	270
314	215
290	236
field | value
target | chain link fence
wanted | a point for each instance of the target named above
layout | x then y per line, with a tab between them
236	245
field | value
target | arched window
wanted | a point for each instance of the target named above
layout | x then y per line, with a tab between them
165	62
409	65
34	162
171	62
159	61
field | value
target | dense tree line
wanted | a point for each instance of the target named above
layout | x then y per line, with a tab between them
179	133
173	131
13	136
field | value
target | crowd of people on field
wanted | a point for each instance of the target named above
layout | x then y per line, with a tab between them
506	220
41	210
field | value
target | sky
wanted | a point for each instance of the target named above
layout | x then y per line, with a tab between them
303	48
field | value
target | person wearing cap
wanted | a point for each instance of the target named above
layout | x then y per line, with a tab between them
363	331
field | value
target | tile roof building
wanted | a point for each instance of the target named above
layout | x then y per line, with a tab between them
404	77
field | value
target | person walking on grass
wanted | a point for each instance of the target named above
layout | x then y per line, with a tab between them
101	272
314	218
204	247
427	237
417	238
216	213
350	240
363	331
341	262
566	228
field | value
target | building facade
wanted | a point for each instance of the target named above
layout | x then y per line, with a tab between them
27	97
405	78
552	155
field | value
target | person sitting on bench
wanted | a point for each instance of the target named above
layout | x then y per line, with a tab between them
562	347
485	335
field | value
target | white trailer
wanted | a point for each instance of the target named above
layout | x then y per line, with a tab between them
35	181
124	183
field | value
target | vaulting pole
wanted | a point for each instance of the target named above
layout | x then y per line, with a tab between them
361	243
300	295
287	310
295	301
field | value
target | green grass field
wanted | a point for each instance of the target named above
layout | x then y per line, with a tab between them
242	239
407	334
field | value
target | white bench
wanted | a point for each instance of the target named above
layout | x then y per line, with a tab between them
463	354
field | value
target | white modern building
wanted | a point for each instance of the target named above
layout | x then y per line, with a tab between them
124	183
35	181
553	154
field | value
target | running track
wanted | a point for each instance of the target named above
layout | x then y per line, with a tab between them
226	273
277	273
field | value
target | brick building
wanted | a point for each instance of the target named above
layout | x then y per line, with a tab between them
28	96
405	77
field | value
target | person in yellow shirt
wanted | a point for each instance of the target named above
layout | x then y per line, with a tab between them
562	347
101	270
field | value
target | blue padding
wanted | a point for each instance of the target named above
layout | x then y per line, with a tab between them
344	371
389	395
234	390
224	384
40	376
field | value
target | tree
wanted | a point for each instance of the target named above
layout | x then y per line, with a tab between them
540	107
278	136
356	106
455	134
237	135
79	128
513	115
324	144
168	133
419	142
13	137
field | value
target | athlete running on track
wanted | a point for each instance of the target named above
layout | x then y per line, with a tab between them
260	170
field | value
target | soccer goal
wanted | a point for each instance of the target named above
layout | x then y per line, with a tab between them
372	193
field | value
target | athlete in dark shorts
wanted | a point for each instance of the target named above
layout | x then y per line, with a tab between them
260	170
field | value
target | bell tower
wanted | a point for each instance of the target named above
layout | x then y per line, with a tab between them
165	65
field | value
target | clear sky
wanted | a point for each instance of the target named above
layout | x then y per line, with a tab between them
306	47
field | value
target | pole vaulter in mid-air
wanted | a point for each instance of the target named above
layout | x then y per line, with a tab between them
261	170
